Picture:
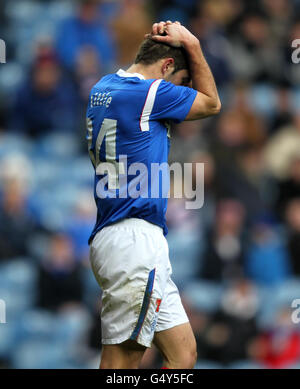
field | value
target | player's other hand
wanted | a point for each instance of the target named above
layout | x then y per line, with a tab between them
173	34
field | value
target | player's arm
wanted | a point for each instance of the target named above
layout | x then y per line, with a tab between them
207	101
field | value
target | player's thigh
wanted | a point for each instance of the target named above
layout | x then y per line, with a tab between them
177	344
127	355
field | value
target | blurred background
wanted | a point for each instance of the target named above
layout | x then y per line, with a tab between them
236	261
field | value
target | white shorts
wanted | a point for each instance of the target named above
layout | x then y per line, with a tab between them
130	260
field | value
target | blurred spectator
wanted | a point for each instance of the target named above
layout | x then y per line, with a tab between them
255	129
241	300
234	142
282	148
293	224
129	27
227	334
206	213
230	137
87	72
179	220
184	237
220	12
207	26
80	226
289	188
282	116
187	139
199	322
259	58
257	182
238	128
94	340
279	14
224	254
47	101
16	223
86	29
59	275
267	260
278	347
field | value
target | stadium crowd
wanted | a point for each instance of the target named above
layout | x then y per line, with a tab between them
236	260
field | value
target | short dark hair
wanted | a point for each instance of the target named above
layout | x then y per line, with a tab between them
151	51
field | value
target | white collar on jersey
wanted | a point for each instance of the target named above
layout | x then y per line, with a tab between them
122	73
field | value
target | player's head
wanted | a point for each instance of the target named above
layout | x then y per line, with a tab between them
172	62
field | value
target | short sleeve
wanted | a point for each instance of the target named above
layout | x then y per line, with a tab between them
172	102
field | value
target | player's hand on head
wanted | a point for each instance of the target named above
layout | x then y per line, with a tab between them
172	33
158	29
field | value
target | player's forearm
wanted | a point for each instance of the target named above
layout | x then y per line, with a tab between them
202	78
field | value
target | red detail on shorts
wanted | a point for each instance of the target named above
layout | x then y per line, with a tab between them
158	302
165	367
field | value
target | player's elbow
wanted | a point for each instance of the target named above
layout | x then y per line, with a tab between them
215	108
212	107
203	108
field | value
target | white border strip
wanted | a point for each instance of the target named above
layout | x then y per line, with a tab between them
147	110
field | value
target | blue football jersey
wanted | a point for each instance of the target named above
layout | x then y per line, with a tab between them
127	127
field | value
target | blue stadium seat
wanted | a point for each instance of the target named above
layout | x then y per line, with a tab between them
7	338
295	100
91	289
15	144
46	171
82	171
47	340
16	303
37	325
203	296
71	326
59	146
287	292
273	299
11	76
39	354
17	287
263	99
18	274
31	20
184	257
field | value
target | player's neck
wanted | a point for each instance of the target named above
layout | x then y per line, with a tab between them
149	71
